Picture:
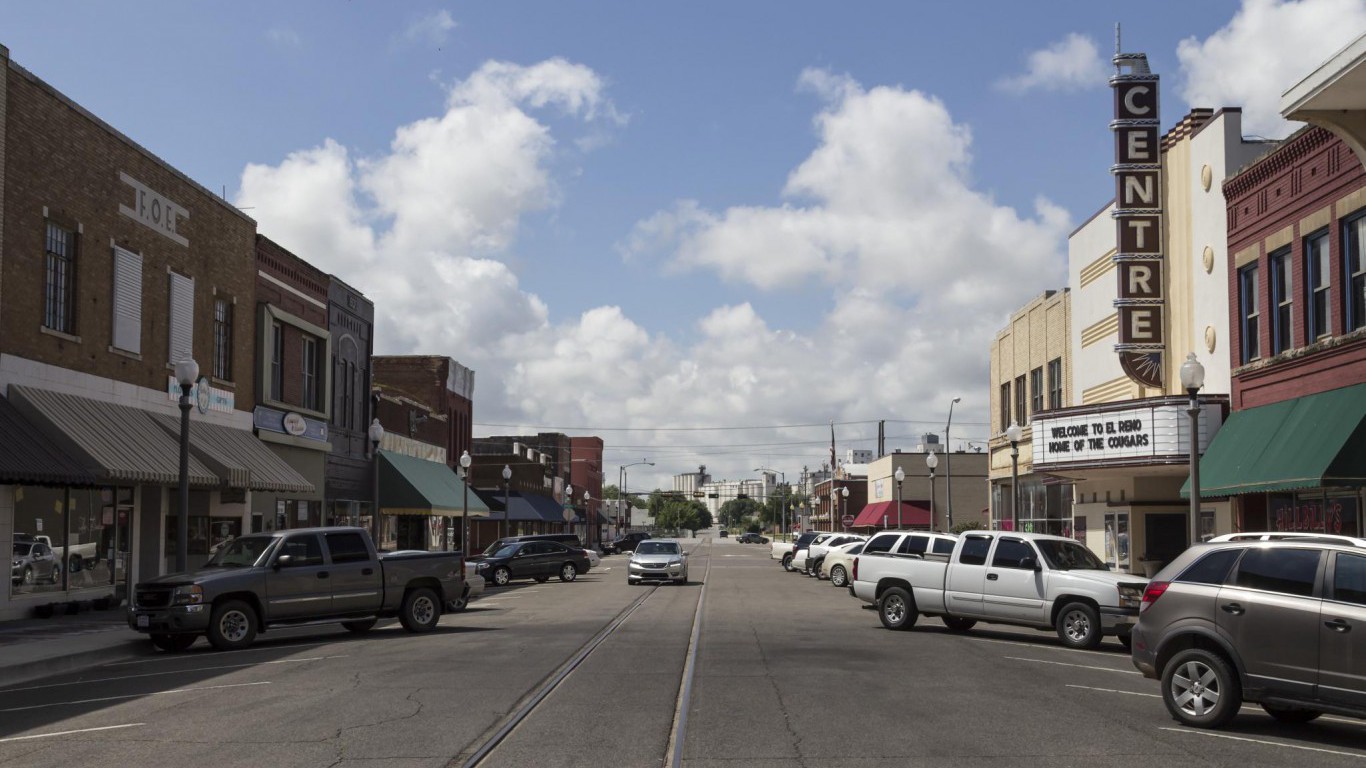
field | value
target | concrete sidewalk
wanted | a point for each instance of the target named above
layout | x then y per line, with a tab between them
31	649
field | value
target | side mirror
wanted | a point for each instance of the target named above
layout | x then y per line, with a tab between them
1030	564
283	561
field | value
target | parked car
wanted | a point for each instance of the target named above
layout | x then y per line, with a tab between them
1026	579
537	560
624	543
839	563
751	538
34	561
474	584
723	533
568	539
658	560
817	550
1268	622
265	580
784	551
1286	536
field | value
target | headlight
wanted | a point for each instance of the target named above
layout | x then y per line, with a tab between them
481	566
676	561
191	595
1130	595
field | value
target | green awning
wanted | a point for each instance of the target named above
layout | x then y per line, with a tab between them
411	486
1308	442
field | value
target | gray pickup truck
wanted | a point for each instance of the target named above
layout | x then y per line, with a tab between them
304	576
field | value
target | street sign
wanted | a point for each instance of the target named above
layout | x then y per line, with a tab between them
848	520
569	514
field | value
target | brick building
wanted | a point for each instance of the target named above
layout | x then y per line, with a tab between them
293	379
585	474
349	493
113	267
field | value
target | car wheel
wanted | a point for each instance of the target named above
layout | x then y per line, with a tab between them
421	610
74	564
360	626
896	609
1200	690
460	603
27	578
232	626
569	572
959	624
838	577
1078	626
542	579
501	576
1291	716
55	577
787	563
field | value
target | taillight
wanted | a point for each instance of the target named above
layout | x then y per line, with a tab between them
1154	591
856	569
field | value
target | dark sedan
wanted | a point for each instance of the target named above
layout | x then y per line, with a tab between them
537	560
751	538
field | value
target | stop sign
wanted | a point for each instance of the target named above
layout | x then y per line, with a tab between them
848	520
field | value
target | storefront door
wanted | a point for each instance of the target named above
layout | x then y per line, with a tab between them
1117	540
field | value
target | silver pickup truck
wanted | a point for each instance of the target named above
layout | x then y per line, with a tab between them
304	576
1027	579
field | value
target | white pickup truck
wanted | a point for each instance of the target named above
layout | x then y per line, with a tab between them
1027	579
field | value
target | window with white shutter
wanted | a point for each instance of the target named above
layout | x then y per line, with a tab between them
181	346
127	301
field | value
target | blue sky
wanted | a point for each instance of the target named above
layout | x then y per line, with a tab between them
649	215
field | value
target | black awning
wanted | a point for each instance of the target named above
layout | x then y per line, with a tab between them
28	457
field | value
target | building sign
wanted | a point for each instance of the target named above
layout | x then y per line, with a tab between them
205	397
294	424
1309	515
1138	220
1144	432
153	210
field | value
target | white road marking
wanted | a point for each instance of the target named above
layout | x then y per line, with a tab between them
1264	741
168	672
68	733
289	647
1044	646
1112	690
1078	666
132	696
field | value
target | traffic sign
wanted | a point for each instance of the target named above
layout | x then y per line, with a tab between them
569	514
848	520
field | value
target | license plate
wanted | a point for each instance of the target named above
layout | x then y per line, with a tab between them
144	622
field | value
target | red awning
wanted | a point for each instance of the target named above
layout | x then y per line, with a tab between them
882	514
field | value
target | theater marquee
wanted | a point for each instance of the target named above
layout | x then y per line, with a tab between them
1138	220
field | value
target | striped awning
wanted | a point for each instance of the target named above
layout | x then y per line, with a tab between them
29	457
118	443
237	456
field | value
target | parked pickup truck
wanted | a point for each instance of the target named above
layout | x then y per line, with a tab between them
1032	580
303	576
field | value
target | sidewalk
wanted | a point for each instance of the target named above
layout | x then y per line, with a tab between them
31	649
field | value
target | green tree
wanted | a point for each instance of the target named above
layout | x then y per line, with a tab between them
736	510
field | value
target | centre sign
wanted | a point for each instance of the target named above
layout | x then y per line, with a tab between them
1138	258
1154	431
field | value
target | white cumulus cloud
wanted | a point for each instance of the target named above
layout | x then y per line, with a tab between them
1268	47
432	28
1072	63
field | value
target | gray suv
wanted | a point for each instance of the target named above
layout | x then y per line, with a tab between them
1270	622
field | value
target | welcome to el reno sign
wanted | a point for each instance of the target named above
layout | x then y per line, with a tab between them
1138	220
1147	432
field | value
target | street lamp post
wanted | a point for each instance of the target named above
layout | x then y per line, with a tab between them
568	512
1013	435
844	506
900	476
507	492
931	461
948	466
587	512
1193	378
376	434
623	498
465	462
186	373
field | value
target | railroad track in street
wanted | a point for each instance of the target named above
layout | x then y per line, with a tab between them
487	745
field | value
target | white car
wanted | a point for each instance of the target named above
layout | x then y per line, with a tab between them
807	559
658	560
839	563
594	559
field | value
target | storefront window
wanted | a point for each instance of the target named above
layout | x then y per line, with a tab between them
1317	513
68	538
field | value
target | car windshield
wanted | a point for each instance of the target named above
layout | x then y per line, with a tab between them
1068	555
21	550
495	546
241	552
657	548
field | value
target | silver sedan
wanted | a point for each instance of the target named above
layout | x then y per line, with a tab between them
658	560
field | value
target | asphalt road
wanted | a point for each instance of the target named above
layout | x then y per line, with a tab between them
784	671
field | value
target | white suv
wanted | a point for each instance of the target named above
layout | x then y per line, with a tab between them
809	560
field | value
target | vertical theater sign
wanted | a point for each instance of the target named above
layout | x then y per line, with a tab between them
1138	220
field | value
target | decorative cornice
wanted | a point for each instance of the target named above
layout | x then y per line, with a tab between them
1291	151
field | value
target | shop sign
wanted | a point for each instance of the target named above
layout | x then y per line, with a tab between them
205	397
1138	220
153	210
295	424
1337	516
1155	431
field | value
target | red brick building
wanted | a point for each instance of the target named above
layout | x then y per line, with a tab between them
1293	453
585	474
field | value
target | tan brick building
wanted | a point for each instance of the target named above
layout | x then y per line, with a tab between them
1031	373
